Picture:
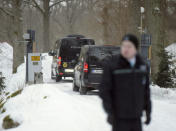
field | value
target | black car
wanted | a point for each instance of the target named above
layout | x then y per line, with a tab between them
88	71
68	52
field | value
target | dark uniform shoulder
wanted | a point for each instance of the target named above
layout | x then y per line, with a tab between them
142	63
111	61
140	59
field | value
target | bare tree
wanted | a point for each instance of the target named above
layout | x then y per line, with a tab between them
170	18
117	18
13	10
68	14
46	11
156	26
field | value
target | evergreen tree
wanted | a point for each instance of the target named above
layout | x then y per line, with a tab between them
164	76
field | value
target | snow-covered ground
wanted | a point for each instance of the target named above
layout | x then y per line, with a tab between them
55	107
17	80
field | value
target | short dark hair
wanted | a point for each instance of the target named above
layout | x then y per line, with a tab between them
132	38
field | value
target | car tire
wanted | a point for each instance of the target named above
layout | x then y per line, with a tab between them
58	78
75	87
82	90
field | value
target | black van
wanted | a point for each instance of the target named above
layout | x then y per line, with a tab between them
68	52
88	71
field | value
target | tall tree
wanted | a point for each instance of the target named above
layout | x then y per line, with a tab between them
170	18
155	24
105	20
70	12
118	18
46	12
13	10
134	14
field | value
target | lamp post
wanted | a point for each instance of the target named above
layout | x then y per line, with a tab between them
142	16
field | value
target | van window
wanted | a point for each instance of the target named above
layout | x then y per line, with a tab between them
98	54
70	48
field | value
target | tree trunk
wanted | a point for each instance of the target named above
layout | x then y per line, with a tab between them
105	24
155	12
46	25
134	14
18	47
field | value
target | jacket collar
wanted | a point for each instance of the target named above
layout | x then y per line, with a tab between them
124	63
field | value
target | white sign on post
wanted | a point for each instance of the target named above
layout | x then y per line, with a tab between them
34	66
26	36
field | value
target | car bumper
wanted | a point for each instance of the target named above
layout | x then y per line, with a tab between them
91	85
66	74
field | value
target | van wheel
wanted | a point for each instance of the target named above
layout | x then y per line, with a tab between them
58	78
75	87
82	90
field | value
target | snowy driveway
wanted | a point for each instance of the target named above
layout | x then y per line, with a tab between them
55	107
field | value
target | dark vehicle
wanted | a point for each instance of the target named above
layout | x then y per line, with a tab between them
88	71
68	52
78	36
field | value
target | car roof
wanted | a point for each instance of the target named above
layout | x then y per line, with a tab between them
71	38
87	48
75	35
93	46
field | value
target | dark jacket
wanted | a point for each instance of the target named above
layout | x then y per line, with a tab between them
125	90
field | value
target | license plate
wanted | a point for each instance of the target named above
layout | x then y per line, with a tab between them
97	71
69	70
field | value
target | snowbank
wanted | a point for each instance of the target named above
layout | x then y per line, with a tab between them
163	93
46	67
55	107
13	81
17	80
172	50
51	107
6	60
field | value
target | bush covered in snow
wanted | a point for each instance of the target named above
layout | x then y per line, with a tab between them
13	83
164	76
6	60
17	80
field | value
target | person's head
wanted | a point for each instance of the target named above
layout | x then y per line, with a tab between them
129	46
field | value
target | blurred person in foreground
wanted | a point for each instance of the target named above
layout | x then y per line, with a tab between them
125	87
